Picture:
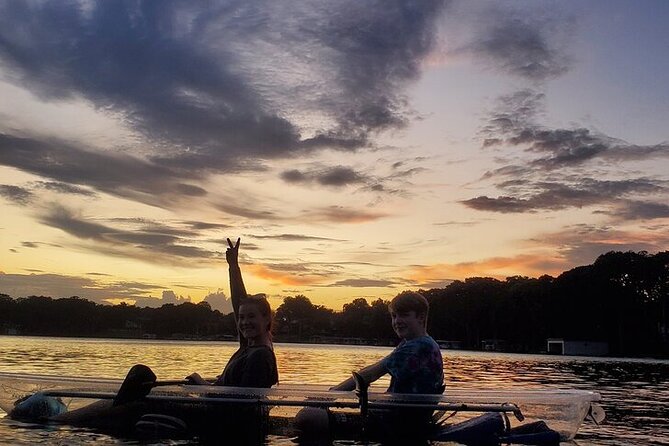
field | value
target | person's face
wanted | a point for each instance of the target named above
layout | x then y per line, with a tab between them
252	324
408	324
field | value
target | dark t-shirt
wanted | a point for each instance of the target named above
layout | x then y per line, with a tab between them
253	366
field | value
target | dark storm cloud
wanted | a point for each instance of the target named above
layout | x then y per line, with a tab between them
514	122
639	210
18	195
557	171
65	220
137	243
376	46
294	176
203	81
536	196
342	176
336	176
177	228
502	204
119	175
63	188
528	47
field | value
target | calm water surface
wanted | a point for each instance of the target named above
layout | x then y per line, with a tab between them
635	392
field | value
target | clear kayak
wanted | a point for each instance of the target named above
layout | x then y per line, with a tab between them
561	412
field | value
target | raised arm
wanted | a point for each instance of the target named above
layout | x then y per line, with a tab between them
370	374
237	289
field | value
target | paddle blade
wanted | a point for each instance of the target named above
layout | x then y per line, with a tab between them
137	384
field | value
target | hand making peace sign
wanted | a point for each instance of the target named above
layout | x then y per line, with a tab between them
232	253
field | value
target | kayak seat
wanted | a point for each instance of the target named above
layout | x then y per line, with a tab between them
152	425
536	433
485	429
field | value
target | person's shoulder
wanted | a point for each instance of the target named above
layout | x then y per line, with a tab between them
424	339
426	342
429	339
260	351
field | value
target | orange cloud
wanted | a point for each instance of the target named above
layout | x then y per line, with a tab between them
554	253
282	277
532	265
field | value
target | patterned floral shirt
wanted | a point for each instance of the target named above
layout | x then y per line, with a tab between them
416	366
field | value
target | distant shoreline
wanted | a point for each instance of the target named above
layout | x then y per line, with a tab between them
307	343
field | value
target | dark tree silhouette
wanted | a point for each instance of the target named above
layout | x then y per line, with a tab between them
622	298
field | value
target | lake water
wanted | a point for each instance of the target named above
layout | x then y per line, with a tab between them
635	392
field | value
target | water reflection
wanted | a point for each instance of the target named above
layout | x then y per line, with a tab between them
635	392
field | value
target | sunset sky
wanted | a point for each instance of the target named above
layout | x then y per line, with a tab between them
358	148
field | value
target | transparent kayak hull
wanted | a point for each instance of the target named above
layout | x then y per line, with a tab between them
562	410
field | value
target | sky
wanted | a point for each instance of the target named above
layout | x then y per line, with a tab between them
358	149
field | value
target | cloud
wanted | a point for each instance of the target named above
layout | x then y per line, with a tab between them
211	86
640	210
463	223
528	47
549	253
339	177
536	196
440	275
158	244
200	225
513	123
246	212
557	169
64	188
59	286
582	244
530	43
340	214
93	289
295	238
219	301
170	297
16	194
285	275
118	175
363	283
336	176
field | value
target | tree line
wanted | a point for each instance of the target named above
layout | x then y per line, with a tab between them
621	299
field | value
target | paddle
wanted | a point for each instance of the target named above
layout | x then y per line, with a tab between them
138	383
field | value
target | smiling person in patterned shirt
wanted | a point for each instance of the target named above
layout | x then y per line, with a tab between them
415	366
